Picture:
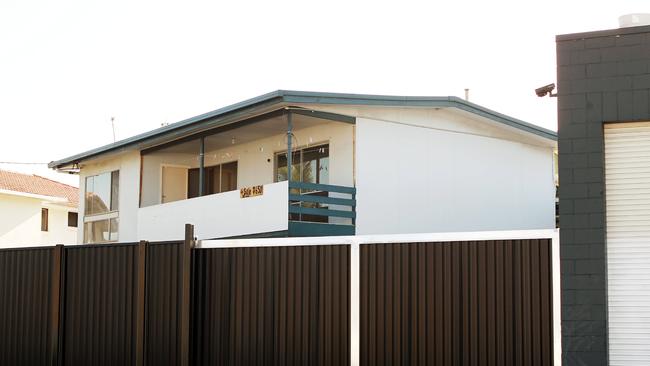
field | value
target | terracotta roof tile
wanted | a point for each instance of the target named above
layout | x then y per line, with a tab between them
36	184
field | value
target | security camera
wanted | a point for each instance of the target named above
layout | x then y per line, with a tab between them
546	89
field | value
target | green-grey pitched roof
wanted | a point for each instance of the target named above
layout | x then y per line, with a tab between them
288	97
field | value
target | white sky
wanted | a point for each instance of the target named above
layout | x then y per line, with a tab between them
67	66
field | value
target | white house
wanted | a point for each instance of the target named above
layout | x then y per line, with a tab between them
360	164
36	211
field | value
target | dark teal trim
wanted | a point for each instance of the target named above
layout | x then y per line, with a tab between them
321	199
322	187
321	212
268	234
285	98
301	228
325	115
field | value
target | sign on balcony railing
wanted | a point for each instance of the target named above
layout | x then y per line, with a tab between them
251	191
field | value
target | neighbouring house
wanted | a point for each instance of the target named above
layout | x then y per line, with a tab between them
36	211
359	164
604	173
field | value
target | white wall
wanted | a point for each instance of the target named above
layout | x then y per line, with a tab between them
129	166
217	215
415	178
444	119
20	222
256	159
151	173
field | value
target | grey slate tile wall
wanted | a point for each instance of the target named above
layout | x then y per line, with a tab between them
602	77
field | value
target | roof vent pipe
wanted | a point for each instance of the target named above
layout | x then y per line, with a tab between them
467	94
634	20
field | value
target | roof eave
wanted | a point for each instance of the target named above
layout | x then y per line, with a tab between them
279	98
179	128
431	102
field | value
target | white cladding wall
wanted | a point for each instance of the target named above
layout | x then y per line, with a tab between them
627	179
255	160
414	179
20	222
217	215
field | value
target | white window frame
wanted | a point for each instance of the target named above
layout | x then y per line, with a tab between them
115	214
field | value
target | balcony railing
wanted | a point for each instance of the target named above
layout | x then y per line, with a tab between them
335	209
284	209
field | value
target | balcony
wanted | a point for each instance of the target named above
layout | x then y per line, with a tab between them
240	181
309	210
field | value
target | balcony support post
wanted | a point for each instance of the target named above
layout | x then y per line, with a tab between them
289	145
201	167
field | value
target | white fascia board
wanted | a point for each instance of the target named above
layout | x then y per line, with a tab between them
50	199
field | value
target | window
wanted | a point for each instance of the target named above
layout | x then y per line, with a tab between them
102	193
310	165
101	216
101	231
72	219
216	179
44	218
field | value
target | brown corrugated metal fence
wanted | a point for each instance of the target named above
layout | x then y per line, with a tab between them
271	306
460	303
100	297
454	303
163	303
26	301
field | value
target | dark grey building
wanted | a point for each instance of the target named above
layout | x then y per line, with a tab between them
604	172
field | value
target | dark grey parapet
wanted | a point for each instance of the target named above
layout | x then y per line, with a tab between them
602	76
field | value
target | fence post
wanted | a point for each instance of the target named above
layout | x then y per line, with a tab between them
355	303
140	303
557	305
55	304
186	262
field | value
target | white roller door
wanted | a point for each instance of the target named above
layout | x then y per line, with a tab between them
627	185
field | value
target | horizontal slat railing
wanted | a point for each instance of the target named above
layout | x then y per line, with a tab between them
321	199
296	200
322	187
321	212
